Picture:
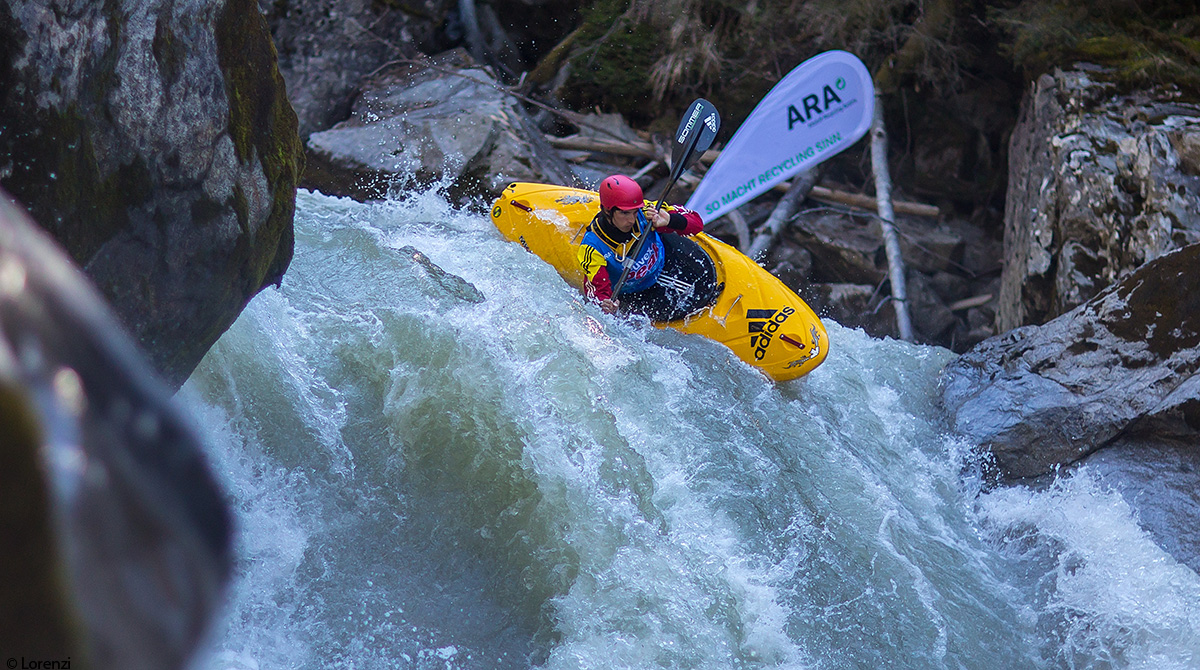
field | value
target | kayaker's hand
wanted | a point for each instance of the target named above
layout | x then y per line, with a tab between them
609	305
658	217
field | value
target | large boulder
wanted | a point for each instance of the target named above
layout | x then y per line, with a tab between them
446	122
116	539
155	141
949	266
327	47
1159	477
1120	366
1099	183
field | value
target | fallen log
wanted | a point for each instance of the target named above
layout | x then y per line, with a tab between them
860	201
820	193
616	147
787	206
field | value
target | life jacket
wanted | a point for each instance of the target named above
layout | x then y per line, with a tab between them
646	267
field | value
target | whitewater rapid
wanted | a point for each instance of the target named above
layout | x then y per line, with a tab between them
476	468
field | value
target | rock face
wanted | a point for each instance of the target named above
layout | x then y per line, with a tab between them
326	47
1120	366
845	267
155	141
116	539
1099	183
1160	478
446	123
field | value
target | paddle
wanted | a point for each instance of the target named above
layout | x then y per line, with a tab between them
693	137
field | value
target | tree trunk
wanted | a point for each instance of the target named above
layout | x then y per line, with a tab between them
883	196
470	20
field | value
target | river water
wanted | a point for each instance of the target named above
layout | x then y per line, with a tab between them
440	457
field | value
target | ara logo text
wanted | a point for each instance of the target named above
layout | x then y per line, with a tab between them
814	105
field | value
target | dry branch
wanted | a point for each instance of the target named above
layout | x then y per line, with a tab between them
619	148
783	212
836	197
891	242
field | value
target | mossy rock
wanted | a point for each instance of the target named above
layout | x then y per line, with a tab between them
170	178
610	69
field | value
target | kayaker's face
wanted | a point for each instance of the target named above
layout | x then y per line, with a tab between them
624	220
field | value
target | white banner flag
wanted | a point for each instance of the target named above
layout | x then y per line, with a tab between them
821	107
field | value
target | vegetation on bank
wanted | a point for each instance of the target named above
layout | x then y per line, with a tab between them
635	56
1145	43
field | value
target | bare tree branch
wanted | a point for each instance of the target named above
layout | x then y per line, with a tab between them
883	196
783	212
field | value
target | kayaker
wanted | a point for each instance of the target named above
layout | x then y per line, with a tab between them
671	278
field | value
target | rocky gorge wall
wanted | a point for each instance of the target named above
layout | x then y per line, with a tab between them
1100	182
156	143
1099	349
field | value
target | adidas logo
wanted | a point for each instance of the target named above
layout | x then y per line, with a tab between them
711	122
675	284
763	324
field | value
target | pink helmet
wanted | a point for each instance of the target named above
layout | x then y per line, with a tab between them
621	192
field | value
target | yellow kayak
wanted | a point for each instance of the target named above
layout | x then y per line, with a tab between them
763	321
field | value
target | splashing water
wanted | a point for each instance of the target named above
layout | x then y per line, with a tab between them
442	457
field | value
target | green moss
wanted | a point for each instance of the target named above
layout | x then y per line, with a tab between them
1107	47
1142	44
59	179
241	207
611	70
263	126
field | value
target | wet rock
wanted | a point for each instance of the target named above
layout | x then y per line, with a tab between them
844	249
1122	365
1187	145
327	47
1160	478
447	122
929	246
931	318
443	283
949	287
156	143
116	539
1099	183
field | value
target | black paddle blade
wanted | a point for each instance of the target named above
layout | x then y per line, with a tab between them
695	135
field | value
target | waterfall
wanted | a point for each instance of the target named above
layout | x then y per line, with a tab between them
441	456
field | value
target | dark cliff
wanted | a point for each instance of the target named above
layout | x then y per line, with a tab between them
157	145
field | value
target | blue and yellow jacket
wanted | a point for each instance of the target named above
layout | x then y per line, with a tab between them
604	248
